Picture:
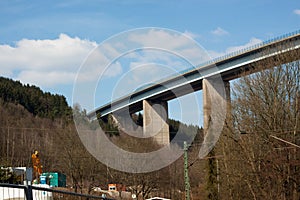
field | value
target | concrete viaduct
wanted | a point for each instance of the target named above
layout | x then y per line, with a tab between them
201	77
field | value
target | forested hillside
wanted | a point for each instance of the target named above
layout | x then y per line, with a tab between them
33	99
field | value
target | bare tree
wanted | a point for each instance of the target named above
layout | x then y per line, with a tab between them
265	106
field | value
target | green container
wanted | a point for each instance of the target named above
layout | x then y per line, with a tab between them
55	179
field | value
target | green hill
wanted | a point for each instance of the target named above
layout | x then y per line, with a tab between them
33	99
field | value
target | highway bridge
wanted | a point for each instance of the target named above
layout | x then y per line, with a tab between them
201	77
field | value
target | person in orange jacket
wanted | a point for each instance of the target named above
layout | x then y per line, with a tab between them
37	166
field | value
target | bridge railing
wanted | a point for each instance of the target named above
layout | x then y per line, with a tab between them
29	192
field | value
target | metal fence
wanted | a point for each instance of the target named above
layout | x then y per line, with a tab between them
29	192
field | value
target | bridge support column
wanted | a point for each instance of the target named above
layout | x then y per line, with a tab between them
155	121
228	100
206	105
214	104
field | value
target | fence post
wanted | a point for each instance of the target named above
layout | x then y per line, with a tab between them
28	192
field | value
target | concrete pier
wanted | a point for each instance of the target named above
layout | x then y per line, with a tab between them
214	110
155	121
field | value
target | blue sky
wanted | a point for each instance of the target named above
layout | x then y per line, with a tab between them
45	42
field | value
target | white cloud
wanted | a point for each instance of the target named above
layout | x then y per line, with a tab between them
253	41
49	79
219	32
297	11
168	40
50	62
177	44
98	64
158	38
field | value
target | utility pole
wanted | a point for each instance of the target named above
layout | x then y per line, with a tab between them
186	172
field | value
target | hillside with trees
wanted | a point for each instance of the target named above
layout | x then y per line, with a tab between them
26	126
33	99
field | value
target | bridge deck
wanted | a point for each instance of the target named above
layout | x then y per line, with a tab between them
230	67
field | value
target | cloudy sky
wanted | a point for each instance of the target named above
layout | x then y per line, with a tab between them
56	44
